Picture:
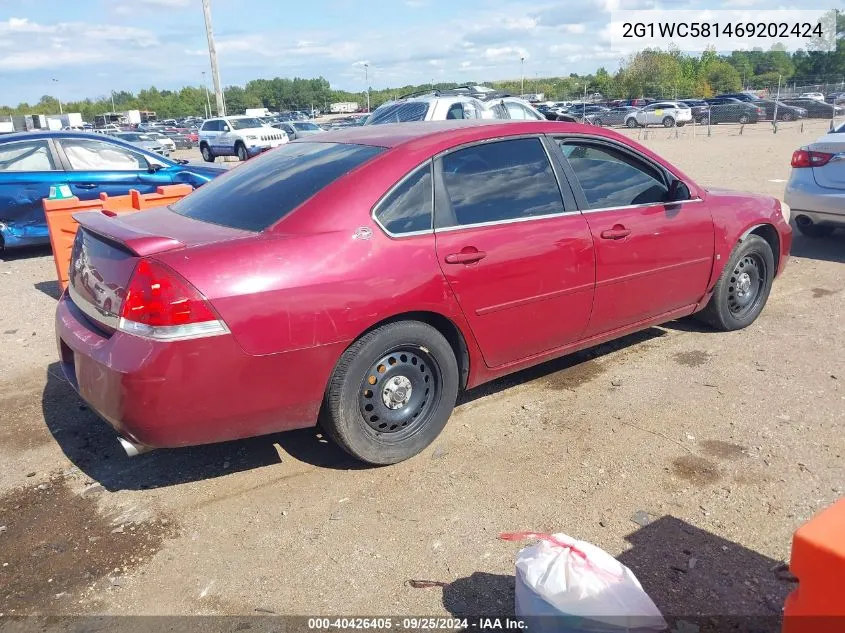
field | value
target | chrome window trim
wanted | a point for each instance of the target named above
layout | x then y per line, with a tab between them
389	192
91	311
50	153
509	221
640	206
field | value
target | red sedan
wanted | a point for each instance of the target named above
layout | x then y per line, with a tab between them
361	278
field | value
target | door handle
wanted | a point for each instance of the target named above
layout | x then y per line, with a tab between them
87	185
616	233
465	257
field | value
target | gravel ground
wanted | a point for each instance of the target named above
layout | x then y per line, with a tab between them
719	445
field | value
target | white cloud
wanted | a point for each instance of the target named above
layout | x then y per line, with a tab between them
505	52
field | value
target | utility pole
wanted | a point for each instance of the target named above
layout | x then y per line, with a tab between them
207	96
113	109
522	73
367	82
212	54
57	98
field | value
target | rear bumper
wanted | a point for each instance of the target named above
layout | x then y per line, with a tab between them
190	392
805	197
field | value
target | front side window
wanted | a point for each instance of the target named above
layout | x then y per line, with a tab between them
515	110
503	180
408	208
263	190
209	126
89	154
26	156
399	112
612	178
456	111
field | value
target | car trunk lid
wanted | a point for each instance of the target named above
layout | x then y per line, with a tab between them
107	249
831	175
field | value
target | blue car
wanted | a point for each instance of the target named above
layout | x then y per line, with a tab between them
90	164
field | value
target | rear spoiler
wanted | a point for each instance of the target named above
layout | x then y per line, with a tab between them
106	224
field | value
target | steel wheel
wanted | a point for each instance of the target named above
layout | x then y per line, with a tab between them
744	119
399	392
746	285
668	122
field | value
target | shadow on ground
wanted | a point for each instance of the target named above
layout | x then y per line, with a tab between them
689	573
27	252
830	248
49	288
91	444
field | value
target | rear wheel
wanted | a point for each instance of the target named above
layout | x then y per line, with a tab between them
391	393
206	152
743	289
668	121
240	150
681	123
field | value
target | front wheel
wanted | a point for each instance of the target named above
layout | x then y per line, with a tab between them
631	123
207	155
597	122
241	152
391	393
744	119
668	121
743	289
788	116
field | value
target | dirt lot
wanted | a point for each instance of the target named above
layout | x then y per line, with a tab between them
721	444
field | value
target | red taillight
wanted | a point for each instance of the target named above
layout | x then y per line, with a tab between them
805	158
158	297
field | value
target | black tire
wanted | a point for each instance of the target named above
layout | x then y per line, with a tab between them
392	431
668	121
744	119
815	231
597	122
734	306
681	123
631	122
787	116
240	151
207	154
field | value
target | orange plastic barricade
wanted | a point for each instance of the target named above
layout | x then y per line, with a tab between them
62	227
818	561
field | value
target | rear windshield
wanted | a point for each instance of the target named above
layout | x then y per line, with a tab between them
399	112
265	189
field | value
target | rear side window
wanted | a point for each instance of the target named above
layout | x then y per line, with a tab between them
408	207
493	182
399	112
263	190
26	156
611	178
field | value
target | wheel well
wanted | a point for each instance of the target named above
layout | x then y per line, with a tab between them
770	234
446	327
203	143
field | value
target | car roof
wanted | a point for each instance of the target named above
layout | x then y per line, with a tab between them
391	135
67	134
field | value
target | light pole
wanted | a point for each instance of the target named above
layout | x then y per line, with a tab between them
367	81
522	72
207	96
57	98
113	109
212	54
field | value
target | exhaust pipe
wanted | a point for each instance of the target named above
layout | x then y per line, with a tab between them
803	221
131	448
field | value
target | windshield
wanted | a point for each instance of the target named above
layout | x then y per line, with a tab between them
133	137
244	124
399	112
263	190
307	127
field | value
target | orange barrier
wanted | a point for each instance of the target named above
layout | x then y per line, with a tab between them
62	227
818	561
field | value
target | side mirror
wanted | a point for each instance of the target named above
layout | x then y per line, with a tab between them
678	191
225	128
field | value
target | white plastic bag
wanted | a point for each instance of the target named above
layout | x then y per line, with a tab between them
584	586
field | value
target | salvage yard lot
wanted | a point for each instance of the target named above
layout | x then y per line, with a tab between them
719	445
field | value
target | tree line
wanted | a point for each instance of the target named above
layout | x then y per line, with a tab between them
649	73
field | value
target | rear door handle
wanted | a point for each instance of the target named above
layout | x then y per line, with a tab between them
465	257
616	233
87	185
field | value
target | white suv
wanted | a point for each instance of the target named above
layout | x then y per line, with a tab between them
665	113
241	136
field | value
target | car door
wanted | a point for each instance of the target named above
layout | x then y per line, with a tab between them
96	166
646	115
516	252
28	168
652	257
224	142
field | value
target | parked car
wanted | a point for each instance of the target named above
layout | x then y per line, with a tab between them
835	98
427	107
32	162
816	186
163	139
241	136
617	115
180	140
699	108
299	129
785	112
143	141
665	113
732	110
747	97
259	304
815	96
817	109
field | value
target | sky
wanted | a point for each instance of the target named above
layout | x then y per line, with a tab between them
73	49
